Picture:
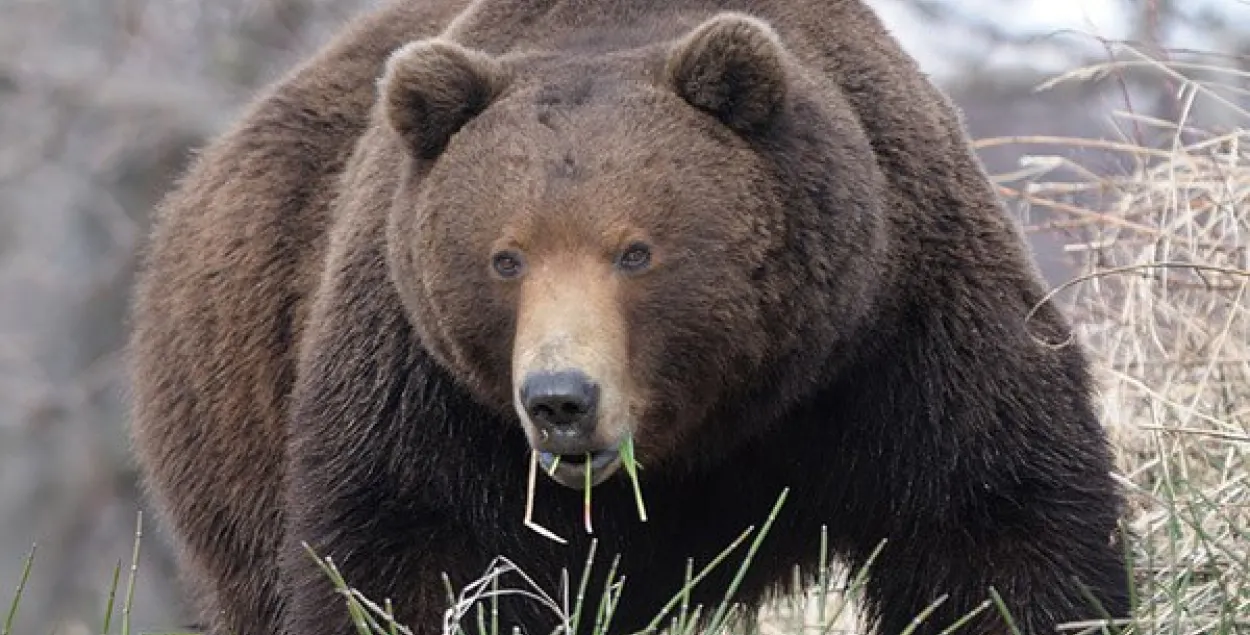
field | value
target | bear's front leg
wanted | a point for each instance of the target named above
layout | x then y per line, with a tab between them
405	568
388	552
1036	555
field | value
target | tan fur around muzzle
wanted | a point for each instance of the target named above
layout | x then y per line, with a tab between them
570	318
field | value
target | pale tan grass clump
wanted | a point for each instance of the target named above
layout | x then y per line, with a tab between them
1163	303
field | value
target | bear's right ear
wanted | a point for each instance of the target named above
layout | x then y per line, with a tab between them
732	67
432	88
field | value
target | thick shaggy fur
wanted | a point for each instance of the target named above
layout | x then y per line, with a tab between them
837	306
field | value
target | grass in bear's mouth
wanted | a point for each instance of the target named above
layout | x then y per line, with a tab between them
628	460
631	465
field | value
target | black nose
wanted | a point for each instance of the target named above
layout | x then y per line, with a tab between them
562	401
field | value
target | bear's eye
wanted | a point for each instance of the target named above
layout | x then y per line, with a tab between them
507	264
635	258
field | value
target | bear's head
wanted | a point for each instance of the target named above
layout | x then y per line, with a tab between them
643	244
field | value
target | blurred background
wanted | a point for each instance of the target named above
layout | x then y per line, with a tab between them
101	102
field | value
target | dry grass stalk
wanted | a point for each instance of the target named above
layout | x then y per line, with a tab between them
1164	303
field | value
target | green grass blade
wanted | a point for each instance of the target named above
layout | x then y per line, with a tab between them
630	462
655	622
719	616
968	617
133	575
112	597
923	615
17	595
1002	610
575	619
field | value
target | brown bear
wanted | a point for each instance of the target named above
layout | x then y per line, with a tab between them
748	238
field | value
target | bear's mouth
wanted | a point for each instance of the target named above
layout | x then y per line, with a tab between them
570	470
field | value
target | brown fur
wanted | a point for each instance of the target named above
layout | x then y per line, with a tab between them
232	264
835	303
569	315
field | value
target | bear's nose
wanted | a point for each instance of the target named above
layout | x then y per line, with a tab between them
561	402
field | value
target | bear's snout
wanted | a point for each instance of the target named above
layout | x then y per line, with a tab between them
564	406
572	385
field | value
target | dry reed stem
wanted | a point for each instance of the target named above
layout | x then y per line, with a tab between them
1163	303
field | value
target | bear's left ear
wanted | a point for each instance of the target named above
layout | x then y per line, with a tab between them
731	67
431	88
